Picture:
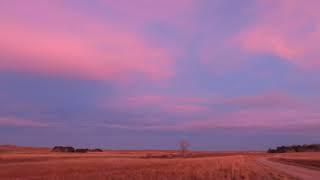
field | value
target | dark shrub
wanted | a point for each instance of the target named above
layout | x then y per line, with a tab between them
95	150
63	149
82	150
272	151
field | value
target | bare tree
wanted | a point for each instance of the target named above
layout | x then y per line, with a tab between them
184	145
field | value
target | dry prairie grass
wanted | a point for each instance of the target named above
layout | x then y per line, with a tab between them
129	165
307	159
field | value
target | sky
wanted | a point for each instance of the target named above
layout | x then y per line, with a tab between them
144	74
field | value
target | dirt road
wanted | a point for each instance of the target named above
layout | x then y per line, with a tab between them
299	172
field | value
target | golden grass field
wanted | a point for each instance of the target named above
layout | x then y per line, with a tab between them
30	163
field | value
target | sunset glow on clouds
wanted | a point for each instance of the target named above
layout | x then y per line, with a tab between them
20	122
287	29
159	70
95	50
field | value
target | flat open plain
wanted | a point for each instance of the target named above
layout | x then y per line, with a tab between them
40	163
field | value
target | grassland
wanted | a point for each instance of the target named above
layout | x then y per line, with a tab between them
309	160
29	163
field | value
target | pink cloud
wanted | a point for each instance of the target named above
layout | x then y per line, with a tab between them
153	127
160	99
168	11
269	111
269	100
146	100
162	103
10	121
220	57
249	119
179	16
272	119
188	108
288	29
101	50
204	106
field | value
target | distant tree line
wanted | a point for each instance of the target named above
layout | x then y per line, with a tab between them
296	148
70	149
